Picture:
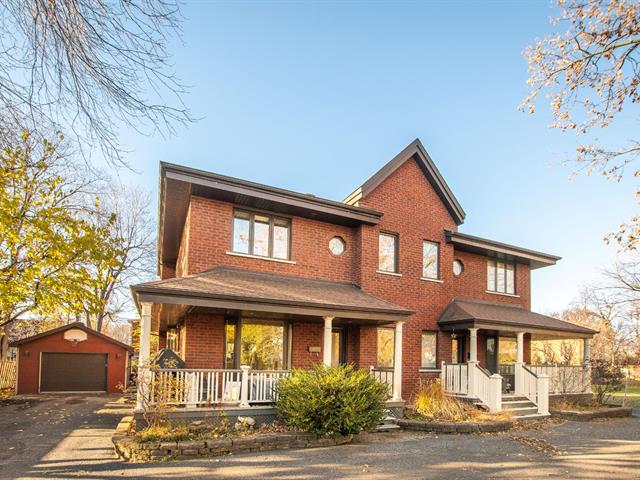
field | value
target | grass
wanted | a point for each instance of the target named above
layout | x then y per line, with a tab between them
633	397
432	404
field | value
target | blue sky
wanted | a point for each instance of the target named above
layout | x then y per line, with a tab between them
315	97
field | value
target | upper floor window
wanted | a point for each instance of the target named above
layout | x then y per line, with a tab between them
388	253
430	260
261	235
501	277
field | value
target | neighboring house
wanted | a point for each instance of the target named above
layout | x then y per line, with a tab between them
272	279
71	358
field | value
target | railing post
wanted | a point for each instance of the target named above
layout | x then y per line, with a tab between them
518	373
543	394
495	393
473	360
244	387
443	375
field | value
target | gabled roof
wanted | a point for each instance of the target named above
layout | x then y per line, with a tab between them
466	312
239	289
415	150
76	325
491	248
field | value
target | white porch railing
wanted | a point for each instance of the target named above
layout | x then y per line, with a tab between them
474	381
533	386
565	378
202	387
383	375
454	378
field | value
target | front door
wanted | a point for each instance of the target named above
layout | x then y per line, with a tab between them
338	347
491	357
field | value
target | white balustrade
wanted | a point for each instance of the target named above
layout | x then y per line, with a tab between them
454	378
204	387
383	375
565	378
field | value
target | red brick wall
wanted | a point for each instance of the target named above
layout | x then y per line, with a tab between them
29	364
210	239
473	281
306	335
411	209
202	337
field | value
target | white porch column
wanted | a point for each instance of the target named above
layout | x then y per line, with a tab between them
397	363
327	344
144	354
517	368
473	360
586	354
473	345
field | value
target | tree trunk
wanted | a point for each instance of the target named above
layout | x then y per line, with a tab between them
4	343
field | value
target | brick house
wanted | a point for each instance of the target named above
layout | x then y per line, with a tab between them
256	280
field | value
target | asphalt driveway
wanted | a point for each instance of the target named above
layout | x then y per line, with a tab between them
65	438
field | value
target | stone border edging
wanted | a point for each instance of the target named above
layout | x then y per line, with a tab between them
452	427
130	450
585	416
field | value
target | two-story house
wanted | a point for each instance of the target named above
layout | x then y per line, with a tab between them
257	280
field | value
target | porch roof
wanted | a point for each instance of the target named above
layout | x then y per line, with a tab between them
465	313
232	288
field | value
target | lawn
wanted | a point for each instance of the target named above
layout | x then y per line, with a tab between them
633	397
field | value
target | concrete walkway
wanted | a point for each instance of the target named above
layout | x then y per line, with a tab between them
77	445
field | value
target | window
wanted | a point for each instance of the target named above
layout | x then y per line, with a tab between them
385	347
172	339
261	344
261	235
458	268
429	350
501	277
337	246
388	253
430	260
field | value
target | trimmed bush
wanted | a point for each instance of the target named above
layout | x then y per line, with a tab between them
331	400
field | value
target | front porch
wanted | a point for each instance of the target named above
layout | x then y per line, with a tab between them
492	357
238	333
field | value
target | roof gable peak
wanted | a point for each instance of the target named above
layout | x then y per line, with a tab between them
415	150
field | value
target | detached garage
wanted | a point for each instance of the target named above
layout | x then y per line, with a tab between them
72	358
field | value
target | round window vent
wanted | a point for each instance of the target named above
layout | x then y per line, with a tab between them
458	268
337	246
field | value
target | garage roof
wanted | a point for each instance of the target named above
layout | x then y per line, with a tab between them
78	325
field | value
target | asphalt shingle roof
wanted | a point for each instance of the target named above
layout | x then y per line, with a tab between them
461	310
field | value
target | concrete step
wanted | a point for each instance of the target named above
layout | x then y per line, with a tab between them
533	416
517	404
514	398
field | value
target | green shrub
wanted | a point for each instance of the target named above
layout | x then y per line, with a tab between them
331	400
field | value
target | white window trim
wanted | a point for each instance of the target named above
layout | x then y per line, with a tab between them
434	280
513	295
393	274
258	257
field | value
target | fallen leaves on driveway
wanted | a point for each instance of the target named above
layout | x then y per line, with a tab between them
537	444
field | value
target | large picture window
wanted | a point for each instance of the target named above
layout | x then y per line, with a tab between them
388	253
430	266
429	350
501	277
257	343
261	235
386	338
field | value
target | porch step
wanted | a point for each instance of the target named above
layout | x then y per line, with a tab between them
519	406
387	424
